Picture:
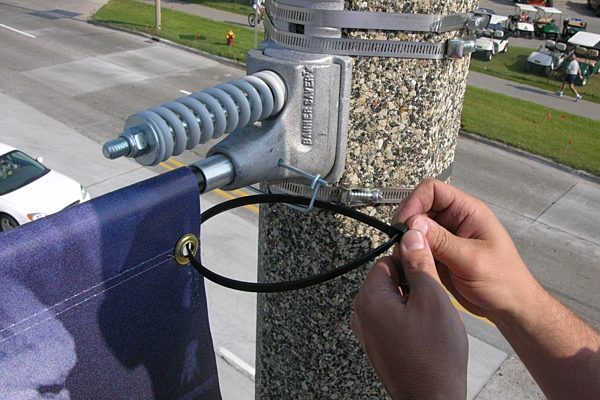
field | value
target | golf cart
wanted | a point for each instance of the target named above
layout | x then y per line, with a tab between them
492	40
545	25
571	26
482	10
521	23
547	58
587	51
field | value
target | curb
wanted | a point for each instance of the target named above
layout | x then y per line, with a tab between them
522	153
231	63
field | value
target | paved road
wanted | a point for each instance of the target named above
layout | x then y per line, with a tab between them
69	88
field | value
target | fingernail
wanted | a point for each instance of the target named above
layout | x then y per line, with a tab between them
421	225
413	240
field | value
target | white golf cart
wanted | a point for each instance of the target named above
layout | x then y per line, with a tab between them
547	58
492	40
522	22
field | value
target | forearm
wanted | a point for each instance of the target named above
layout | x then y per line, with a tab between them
479	263
561	352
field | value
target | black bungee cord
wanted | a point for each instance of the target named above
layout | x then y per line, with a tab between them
395	233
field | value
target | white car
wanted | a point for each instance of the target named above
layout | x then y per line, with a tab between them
29	190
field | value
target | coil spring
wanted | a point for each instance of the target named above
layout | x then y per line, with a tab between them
208	114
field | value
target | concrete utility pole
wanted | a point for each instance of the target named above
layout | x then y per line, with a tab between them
157	16
404	123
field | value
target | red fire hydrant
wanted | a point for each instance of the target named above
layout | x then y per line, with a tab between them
230	38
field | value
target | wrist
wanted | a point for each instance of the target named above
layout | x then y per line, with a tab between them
530	309
527	302
428	382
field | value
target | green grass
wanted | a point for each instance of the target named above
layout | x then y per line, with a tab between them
242	7
189	30
565	138
512	66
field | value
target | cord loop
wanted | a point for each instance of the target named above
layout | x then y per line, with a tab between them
395	233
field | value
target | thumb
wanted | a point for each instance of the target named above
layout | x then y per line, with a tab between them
451	250
417	260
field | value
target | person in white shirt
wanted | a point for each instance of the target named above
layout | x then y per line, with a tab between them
258	6
573	71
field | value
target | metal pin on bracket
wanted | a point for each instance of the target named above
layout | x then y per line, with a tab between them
316	184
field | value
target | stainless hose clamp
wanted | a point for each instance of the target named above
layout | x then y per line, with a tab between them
283	19
352	197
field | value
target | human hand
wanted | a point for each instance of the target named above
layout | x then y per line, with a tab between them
416	342
478	261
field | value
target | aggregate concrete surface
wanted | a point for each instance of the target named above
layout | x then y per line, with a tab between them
550	213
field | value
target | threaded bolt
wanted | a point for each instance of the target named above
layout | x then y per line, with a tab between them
116	148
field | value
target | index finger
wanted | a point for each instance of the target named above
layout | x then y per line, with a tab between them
429	195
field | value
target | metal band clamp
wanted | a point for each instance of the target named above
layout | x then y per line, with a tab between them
352	196
366	20
338	19
355	47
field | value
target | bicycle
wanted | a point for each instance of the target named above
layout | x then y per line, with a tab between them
252	18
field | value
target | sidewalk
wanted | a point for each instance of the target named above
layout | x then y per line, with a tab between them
536	95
